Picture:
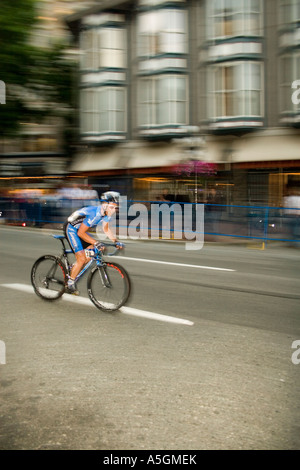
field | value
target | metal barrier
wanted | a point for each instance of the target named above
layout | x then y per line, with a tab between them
260	223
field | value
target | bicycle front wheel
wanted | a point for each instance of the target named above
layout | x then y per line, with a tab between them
108	286
48	277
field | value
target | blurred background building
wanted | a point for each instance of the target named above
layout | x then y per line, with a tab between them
163	83
38	149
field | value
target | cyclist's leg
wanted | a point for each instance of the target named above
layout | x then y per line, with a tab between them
73	238
78	246
81	259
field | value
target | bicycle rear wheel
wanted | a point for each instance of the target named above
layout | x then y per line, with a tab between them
108	286
48	277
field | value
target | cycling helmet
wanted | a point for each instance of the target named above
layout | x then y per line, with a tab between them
110	196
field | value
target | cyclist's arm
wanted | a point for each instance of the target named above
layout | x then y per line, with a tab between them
109	232
82	233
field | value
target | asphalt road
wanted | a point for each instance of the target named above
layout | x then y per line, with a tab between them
201	359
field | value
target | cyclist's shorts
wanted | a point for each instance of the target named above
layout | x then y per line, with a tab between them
75	242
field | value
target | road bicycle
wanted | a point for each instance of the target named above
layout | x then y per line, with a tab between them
108	284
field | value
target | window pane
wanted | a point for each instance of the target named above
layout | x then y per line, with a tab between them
255	104
219	105
164	86
162	31
218	6
234	103
120	122
229	104
181	89
218	79
256	77
236	90
229	77
103	100
162	111
102	122
112	47
103	47
119	99
103	110
181	114
241	77
234	17
218	28
144	99
163	100
173	110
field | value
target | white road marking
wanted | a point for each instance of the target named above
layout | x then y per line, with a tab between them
125	310
174	264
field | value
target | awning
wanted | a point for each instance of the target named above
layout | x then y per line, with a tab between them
132	155
140	154
156	155
278	144
95	161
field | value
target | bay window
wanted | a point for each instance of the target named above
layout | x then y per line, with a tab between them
228	18
163	100
103	47
235	90
162	31
102	110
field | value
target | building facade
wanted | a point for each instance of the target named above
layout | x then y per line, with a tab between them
39	147
163	82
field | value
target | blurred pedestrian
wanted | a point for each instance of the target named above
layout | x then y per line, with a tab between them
291	204
214	208
165	196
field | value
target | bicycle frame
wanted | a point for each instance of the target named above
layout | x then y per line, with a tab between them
97	258
84	269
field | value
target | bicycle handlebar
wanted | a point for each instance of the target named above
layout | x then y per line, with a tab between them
105	244
62	238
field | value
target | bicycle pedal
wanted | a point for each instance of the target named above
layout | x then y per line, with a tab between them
72	291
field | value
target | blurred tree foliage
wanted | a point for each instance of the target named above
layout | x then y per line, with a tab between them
39	81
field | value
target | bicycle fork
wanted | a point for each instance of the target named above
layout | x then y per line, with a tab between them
103	275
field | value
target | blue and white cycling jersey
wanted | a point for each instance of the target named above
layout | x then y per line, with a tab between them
90	216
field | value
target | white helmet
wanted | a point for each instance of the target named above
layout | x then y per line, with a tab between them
110	196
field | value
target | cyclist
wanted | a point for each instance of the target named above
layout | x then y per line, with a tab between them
76	231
